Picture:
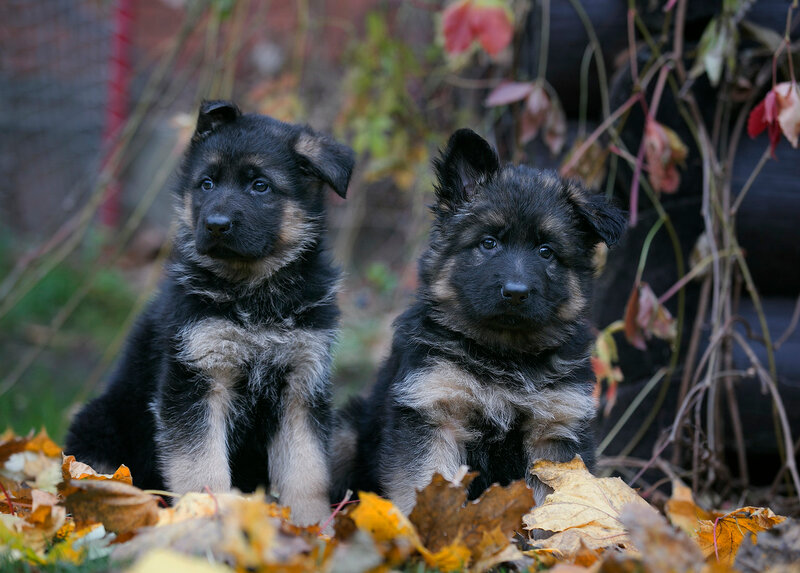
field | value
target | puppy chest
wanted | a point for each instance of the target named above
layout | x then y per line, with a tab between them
485	410
227	353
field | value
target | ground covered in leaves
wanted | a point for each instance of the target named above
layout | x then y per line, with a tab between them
57	513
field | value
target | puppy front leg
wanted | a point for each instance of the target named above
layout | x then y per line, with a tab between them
413	453
191	435
298	465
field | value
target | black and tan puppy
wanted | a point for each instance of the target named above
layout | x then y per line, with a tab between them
490	366
225	378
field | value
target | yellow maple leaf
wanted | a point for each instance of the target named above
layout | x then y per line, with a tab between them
383	520
720	539
718	534
583	510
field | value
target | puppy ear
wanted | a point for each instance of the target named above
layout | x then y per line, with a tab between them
328	160
467	162
605	220
213	114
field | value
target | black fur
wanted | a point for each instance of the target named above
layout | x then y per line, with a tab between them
490	366
240	331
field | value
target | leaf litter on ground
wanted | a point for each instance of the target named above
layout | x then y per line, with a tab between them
55	509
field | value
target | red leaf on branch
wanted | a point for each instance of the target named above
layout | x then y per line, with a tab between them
778	112
456	27
486	21
646	317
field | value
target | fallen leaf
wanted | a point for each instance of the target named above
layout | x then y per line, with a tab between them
42	443
444	518
383	520
719	539
662	547
683	512
118	506
72	469
582	508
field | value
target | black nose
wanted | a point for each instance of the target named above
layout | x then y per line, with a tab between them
515	293
218	225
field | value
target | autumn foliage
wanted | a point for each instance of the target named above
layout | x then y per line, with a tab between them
57	510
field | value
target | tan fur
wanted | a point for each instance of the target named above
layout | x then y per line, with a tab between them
309	146
442	289
185	215
206	463
576	302
219	350
554	227
278	177
445	455
297	465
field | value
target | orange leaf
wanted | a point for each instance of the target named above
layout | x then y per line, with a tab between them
41	442
72	469
683	512
719	540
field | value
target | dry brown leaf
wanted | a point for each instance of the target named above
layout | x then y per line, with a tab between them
719	540
582	508
118	506
436	514
443	517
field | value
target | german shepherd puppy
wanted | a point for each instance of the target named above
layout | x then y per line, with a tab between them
490	366
224	381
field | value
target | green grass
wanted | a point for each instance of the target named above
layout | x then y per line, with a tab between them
44	394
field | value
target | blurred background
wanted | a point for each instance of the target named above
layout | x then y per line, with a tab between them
98	99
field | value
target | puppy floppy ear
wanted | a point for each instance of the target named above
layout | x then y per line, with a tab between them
214	113
605	220
467	162
326	159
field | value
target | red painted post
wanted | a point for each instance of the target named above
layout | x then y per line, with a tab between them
117	108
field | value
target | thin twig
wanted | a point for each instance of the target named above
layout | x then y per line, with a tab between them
792	326
766	378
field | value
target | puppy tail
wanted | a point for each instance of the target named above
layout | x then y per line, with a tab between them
344	448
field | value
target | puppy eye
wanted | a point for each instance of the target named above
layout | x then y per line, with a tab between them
545	252
207	184
260	186
488	243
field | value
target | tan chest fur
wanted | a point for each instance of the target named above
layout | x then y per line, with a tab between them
225	352
452	398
